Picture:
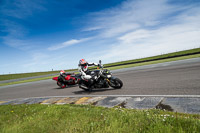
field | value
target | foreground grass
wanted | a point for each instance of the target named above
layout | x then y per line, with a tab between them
86	118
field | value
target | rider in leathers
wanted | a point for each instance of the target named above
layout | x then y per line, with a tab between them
85	73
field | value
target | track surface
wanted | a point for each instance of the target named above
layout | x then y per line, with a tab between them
174	78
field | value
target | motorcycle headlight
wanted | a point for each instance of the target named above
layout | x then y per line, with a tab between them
108	76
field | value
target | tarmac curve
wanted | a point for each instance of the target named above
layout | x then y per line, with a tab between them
170	78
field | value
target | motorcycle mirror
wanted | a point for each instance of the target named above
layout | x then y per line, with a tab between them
99	61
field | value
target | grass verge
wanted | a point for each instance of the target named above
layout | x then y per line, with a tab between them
163	56
155	62
86	118
25	75
25	81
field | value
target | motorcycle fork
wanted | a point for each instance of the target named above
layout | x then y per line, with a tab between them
108	80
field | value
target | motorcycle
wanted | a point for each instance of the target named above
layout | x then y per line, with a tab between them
67	79
104	79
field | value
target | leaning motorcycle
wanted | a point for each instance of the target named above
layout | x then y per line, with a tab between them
104	79
67	80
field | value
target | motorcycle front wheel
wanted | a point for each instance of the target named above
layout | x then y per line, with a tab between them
116	83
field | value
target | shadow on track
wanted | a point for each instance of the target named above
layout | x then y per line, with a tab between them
69	86
93	91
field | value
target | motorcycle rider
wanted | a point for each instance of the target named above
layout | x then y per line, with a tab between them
85	73
63	74
62	78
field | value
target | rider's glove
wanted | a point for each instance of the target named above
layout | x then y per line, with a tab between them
94	77
100	65
96	64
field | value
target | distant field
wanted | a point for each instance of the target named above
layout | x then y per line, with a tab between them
136	62
154	62
164	56
192	53
25	75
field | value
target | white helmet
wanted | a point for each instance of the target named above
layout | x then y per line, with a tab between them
61	72
84	64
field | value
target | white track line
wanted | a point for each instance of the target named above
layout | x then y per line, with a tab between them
184	96
166	96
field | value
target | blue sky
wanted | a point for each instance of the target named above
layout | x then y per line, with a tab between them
42	35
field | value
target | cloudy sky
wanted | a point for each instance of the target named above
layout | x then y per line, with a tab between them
42	35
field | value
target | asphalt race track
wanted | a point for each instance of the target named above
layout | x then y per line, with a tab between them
172	78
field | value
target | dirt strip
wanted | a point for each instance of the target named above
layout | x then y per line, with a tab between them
176	104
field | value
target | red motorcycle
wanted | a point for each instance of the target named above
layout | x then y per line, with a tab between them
67	79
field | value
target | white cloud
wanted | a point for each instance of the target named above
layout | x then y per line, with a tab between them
157	28
91	28
135	36
131	15
67	44
144	43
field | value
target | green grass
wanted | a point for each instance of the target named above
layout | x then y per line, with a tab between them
28	80
37	118
157	57
155	62
25	75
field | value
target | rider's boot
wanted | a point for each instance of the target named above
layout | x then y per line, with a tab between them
76	81
83	86
91	85
63	86
90	88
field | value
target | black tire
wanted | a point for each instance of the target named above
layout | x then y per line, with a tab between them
60	85
83	88
116	83
88	89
